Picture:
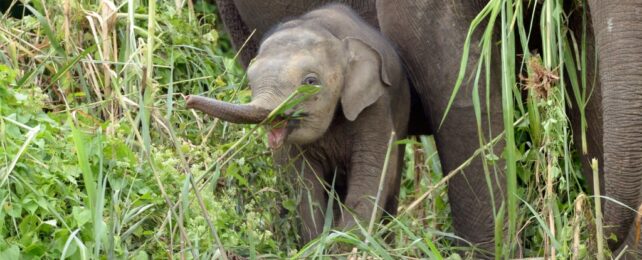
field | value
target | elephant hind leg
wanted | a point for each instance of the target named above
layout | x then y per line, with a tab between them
472	210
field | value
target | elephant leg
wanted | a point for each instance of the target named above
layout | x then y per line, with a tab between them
618	39
238	31
312	199
361	192
431	36
629	243
471	200
364	178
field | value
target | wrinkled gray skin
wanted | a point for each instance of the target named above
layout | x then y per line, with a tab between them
430	36
615	31
363	85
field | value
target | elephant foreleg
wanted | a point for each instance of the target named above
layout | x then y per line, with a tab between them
364	180
313	200
618	40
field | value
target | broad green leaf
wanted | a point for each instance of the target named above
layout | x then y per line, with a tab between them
82	215
13	252
80	142
299	95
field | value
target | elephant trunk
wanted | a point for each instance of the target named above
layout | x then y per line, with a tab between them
240	114
618	36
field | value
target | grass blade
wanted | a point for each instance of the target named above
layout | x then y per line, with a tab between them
83	163
71	63
30	136
508	83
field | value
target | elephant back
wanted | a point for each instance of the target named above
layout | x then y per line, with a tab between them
262	15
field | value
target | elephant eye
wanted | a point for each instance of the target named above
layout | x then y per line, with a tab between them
310	80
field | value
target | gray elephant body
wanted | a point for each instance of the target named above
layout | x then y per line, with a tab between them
430	35
617	30
344	135
613	112
433	64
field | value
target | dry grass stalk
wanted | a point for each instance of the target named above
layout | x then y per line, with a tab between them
638	219
353	254
598	211
579	201
550	200
419	169
541	79
66	24
107	24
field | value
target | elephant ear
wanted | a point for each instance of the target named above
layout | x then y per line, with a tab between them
367	76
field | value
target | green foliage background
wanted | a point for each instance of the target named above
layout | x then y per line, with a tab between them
88	184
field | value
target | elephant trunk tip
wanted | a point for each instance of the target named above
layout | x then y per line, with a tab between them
189	102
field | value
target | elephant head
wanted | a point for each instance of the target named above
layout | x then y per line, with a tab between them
349	70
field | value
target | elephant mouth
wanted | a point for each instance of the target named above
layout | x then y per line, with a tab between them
279	129
277	134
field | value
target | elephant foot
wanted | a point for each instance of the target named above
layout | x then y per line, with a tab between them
630	248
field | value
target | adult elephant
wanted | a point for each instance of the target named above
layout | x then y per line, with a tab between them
430	36
617	29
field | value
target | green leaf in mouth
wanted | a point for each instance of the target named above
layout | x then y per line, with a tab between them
302	93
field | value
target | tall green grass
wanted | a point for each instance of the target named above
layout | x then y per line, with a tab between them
542	180
99	158
110	168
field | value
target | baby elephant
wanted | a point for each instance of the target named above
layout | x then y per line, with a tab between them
345	128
